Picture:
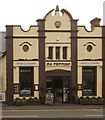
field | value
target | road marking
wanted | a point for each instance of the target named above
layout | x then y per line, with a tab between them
52	110
94	115
35	116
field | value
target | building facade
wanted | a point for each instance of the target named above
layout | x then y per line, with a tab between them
56	55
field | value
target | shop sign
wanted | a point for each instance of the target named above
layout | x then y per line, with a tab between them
25	63
90	63
58	64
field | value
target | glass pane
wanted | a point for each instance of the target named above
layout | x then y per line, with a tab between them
50	53
89	81
57	52
64	52
26	80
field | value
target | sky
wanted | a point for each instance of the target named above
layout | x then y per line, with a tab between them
26	12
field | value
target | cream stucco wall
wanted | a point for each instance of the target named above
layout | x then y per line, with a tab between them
16	74
79	75
18	50
58	37
79	93
58	67
3	76
58	16
18	31
96	52
82	32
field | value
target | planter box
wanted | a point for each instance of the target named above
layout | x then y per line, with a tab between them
86	102
98	102
21	102
91	102
32	103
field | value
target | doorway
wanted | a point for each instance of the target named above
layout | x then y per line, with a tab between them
59	86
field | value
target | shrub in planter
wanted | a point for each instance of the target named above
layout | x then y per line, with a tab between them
99	101
18	102
81	99
24	101
30	101
85	101
93	100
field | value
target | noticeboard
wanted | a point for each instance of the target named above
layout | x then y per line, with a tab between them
49	99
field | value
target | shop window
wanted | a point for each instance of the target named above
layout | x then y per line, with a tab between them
89	81
57	52
50	51
26	81
64	52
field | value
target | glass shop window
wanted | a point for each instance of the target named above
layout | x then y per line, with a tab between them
89	81
26	80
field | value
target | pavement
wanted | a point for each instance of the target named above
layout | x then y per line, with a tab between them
49	107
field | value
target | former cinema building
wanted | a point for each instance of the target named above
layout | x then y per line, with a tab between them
56	55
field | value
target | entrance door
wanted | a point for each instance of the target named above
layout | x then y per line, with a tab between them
59	86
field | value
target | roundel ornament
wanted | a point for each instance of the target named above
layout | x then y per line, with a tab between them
57	24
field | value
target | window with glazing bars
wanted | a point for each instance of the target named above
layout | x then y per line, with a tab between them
57	52
50	52
64	52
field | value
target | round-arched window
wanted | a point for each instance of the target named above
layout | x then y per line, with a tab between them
25	48
89	48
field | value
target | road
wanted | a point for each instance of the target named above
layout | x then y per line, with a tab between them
63	113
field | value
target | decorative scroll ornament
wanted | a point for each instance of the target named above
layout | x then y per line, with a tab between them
57	24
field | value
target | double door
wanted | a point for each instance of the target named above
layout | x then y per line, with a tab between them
60	87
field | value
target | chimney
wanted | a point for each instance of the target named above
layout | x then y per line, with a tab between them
95	23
